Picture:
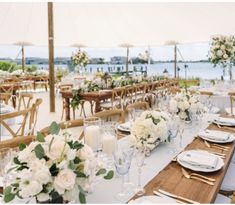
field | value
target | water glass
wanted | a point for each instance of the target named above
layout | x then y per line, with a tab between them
122	165
131	115
173	130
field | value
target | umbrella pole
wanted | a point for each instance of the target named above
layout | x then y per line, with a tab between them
22	60
51	56
175	60
127	59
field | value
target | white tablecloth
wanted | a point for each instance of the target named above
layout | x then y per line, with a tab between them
106	190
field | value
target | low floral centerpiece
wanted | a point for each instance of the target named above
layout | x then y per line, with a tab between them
150	129
53	169
185	104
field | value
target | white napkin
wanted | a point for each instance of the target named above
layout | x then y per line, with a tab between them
200	159
228	121
125	126
215	135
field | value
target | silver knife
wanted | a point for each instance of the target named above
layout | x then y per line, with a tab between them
178	197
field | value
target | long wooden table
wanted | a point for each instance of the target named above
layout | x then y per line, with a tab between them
96	97
171	179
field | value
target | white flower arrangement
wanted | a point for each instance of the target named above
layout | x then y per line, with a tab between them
150	129
41	72
17	72
54	168
184	105
222	50
80	58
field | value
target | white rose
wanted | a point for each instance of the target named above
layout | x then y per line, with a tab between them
43	197
85	152
29	188
219	53
186	105
65	180
222	47
71	154
225	56
58	148
43	176
27	154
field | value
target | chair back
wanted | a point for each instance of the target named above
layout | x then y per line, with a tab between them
129	94
25	100
20	130
34	115
117	97
65	125
232	100
138	105
111	115
5	97
15	142
140	92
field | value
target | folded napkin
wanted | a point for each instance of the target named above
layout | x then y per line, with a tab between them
228	121
125	126
200	159
215	135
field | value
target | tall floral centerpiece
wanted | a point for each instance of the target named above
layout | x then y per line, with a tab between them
222	52
80	59
53	169
149	130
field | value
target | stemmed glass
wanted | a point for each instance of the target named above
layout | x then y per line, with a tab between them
131	115
173	129
181	132
122	165
140	156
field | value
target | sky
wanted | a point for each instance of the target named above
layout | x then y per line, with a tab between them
196	51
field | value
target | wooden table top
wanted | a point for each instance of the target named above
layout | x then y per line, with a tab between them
171	179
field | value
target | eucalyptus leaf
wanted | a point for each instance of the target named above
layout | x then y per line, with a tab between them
82	198
22	146
8	196
109	175
54	128
101	171
39	151
40	137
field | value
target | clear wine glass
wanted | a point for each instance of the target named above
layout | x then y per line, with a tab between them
131	115
173	130
122	165
140	157
5	157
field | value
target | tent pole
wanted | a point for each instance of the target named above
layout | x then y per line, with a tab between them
175	60
127	59
51	56
22	60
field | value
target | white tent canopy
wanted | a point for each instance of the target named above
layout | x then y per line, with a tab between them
112	24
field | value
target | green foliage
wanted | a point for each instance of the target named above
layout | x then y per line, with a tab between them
22	146
109	175
39	151
82	198
40	137
62	71
76	98
54	128
54	170
8	66
8	195
101	171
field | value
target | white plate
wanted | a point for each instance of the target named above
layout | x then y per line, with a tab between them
219	165
125	127
230	139
153	200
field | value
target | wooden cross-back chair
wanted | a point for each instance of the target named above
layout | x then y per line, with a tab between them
25	100
17	129
138	105
140	92
34	115
42	81
129	95
111	115
116	101
232	101
5	97
15	142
